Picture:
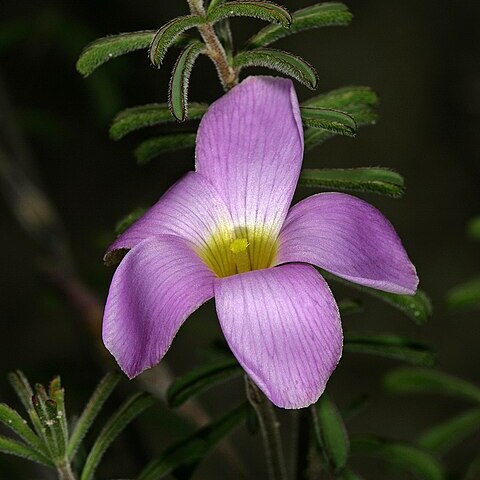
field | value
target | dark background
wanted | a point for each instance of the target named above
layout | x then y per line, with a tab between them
422	59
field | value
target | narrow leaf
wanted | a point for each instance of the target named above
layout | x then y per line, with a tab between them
153	147
47	414
12	419
169	33
104	49
135	118
195	447
443	437
93	407
399	456
264	10
283	62
369	180
200	379
57	394
119	420
350	306
214	4
417	307
12	447
180	79
390	346
316	16
329	119
410	380
330	432
473	228
128	220
465	296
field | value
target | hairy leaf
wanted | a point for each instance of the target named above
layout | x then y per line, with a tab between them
135	118
104	49
331	433
441	438
315	16
283	62
390	346
329	119
12	447
200	379
264	10
169	33
399	456
153	147
465	296
93	407
410	380
179	81
369	180
115	425
194	448
417	307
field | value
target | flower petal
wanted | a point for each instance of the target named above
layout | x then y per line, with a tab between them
283	326
250	147
349	238
191	209
159	283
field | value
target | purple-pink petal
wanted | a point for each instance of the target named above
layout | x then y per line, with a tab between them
190	209
250	147
283	326
349	238
159	283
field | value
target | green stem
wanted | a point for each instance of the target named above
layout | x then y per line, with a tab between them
227	74
270	428
65	471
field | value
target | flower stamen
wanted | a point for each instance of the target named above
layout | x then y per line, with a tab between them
240	255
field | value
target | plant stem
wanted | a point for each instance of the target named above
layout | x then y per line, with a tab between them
269	426
65	472
227	74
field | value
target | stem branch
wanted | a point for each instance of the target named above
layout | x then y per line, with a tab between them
227	74
269	426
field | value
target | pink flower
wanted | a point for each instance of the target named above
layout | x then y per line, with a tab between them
227	231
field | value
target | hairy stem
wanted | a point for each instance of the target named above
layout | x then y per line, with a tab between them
65	472
227	74
269	426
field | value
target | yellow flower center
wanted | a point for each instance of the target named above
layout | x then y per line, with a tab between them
248	249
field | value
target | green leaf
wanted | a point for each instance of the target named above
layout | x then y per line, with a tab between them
13	420
399	456
214	4
283	62
57	394
411	380
201	379
133	407
195	447
465	296
135	118
93	407
331	433
359	102
334	121
369	180
390	346
12	447
350	306
316	16
169	33
443	437
268	11
473	228
417	307
180	79
153	147
104	49
128	220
